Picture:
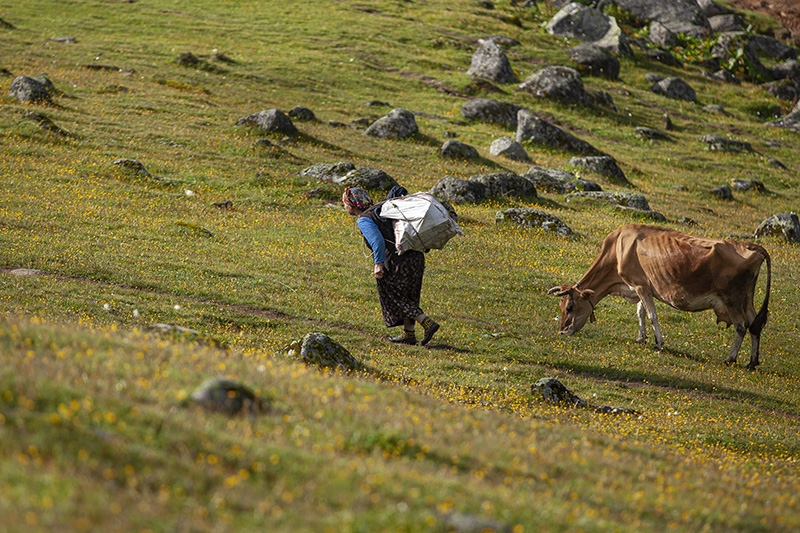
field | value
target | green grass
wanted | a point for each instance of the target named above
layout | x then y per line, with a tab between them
92	432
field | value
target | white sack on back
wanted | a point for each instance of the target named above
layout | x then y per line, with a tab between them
421	222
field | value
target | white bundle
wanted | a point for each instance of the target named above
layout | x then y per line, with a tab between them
421	222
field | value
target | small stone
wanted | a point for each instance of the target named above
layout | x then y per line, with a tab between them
228	397
554	391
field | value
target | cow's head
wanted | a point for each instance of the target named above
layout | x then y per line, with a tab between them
576	307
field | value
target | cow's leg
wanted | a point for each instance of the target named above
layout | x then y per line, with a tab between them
738	337
650	308
755	341
642	314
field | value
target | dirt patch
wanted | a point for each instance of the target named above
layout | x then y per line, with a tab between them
787	12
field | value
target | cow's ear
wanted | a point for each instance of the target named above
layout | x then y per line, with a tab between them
585	294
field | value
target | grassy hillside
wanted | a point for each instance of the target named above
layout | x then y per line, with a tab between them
93	432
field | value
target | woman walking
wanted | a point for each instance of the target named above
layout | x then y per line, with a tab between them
399	277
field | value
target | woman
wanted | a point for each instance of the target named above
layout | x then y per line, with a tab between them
399	277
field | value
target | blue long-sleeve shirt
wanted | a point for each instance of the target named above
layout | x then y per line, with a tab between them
374	237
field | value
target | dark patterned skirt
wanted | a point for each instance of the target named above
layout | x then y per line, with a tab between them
399	289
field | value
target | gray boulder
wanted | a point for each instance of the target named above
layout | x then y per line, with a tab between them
490	110
270	120
320	350
490	62
505	184
723	192
785	224
777	163
625	199
723	23
328	172
132	165
368	178
579	22
37	90
302	113
727	77
188	59
398	124
601	98
459	190
481	187
558	181
784	89
789	69
764	45
534	129
664	57
554	391
711	8
227	397
615	40
527	217
453	149
651	134
591	25
508	148
717	143
744	185
595	61
559	83
679	16
662	36
605	165
676	88
790	121
135	167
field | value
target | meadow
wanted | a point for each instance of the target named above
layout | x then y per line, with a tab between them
94	431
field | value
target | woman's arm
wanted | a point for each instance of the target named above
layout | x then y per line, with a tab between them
374	237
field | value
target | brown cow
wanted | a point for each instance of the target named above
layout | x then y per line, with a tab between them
689	273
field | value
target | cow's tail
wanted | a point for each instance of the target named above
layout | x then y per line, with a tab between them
761	317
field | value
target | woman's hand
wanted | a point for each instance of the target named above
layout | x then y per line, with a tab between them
379	270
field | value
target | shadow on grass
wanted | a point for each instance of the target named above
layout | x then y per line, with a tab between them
689	386
449	347
421	138
305	138
538	201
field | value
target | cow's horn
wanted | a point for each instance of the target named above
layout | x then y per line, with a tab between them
558	292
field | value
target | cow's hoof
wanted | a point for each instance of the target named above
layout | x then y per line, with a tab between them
658	347
730	361
752	367
640	340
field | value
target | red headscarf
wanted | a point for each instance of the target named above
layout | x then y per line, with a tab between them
356	197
